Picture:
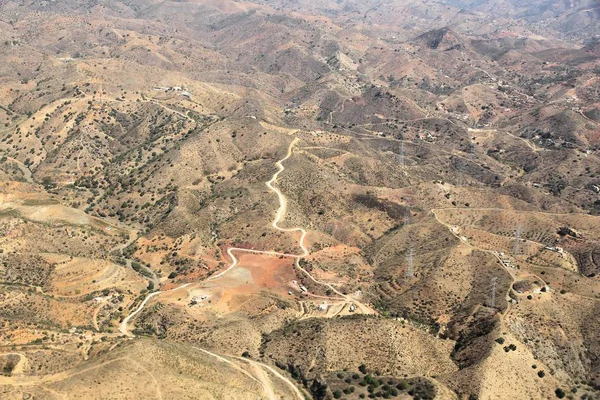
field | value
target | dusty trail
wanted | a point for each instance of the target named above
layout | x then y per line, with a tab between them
279	216
228	362
276	373
508	271
275	224
50	378
263	373
260	368
259	374
173	110
154	380
283	201
265	382
123	328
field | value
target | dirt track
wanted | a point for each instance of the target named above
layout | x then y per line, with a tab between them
261	370
234	260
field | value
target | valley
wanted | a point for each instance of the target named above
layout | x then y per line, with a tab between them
279	199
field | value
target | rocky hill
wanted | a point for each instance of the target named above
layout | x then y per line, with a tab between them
308	199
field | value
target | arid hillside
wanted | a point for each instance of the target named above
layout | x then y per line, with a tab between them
299	199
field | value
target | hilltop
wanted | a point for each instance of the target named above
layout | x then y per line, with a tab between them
321	199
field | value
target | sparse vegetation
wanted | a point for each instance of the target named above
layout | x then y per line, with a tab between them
437	192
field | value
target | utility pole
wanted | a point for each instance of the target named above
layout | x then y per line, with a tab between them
407	216
493	294
409	263
517	243
459	175
401	154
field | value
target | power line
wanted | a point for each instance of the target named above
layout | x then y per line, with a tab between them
407	216
409	273
517	243
493	294
401	154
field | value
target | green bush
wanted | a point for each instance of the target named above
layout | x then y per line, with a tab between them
371	381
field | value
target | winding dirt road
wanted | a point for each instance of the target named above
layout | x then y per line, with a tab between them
283	201
276	373
260	374
123	328
261	370
275	224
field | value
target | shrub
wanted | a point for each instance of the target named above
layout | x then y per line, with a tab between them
371	381
500	340
8	368
541	374
559	393
510	347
